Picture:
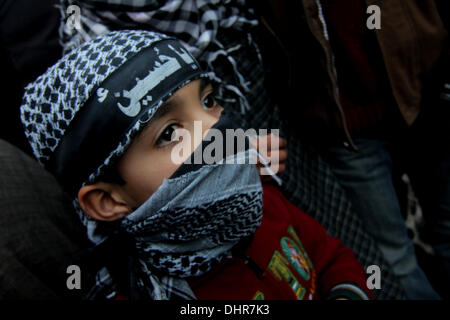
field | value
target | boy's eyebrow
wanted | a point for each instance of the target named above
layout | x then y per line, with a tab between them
203	84
173	102
170	104
163	110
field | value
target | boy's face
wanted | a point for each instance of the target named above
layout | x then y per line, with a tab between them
148	160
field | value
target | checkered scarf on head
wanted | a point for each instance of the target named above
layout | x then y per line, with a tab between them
194	22
90	75
80	117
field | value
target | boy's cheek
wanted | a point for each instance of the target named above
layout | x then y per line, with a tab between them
144	178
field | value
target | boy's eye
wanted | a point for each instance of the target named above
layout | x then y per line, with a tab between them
209	102
168	135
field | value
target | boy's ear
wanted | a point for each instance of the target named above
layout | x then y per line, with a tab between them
102	202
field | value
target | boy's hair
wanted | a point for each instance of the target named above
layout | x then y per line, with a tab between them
110	174
82	113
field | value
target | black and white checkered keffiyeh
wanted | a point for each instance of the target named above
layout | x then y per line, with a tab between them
195	22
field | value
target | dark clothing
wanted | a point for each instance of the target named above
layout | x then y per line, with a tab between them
39	230
29	44
342	76
364	89
412	40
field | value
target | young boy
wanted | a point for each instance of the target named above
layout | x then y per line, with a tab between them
104	121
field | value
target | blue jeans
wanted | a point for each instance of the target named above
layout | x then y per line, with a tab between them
367	176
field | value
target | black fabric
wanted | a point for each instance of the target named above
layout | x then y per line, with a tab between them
11	91
29	32
444	10
118	255
28	46
39	230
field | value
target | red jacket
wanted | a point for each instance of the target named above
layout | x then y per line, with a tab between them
291	257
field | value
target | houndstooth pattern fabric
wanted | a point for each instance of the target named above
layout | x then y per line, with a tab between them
129	3
194	22
51	102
